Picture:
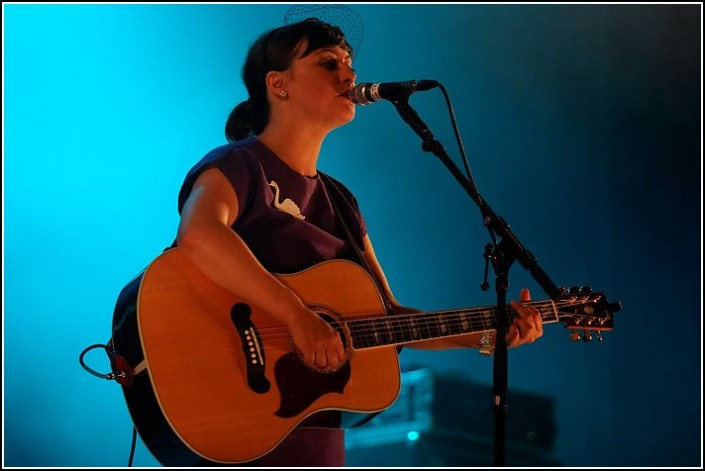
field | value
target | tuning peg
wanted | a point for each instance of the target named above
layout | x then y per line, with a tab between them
587	337
586	290
599	336
575	336
574	290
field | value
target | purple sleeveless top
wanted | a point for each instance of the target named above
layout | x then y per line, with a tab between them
287	220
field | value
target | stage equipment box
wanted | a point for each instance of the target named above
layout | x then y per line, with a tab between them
447	420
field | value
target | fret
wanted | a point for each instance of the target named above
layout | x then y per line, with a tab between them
431	326
414	328
443	326
465	324
454	323
402	328
389	337
358	333
372	333
488	320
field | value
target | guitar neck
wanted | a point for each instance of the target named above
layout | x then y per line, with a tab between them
403	329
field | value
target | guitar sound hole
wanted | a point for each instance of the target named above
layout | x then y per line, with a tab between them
334	321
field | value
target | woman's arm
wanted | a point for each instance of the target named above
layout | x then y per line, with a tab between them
206	237
526	327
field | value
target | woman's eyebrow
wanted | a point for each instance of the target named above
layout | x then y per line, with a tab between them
331	50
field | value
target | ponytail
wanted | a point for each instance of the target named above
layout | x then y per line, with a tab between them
246	120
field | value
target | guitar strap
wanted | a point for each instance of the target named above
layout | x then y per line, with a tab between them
329	182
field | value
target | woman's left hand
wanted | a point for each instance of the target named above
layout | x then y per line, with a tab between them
528	325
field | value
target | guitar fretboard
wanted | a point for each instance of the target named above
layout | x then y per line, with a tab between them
408	328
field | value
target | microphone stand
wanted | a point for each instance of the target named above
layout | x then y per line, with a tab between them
501	256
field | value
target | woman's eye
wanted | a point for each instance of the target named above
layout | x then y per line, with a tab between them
334	65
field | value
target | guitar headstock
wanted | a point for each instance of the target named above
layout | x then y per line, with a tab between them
586	313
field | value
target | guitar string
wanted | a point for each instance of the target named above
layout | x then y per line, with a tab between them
452	317
545	310
365	328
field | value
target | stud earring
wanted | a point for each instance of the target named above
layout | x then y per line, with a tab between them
283	94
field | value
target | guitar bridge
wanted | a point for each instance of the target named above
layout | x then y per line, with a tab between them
252	348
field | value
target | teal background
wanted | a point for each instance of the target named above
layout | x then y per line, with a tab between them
582	125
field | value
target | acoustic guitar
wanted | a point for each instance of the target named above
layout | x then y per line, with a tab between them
210	375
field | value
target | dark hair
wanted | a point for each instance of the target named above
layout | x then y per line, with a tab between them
274	50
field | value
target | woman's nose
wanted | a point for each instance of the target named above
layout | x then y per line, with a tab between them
348	75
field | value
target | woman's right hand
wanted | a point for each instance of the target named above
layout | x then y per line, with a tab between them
318	343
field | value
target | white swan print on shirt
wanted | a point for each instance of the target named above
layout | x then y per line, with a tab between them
287	205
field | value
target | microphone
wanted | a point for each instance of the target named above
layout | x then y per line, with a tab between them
366	93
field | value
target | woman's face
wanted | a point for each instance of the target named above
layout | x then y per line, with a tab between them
317	86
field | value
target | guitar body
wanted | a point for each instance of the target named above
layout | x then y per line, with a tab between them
222	380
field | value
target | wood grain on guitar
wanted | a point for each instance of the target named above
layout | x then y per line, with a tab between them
228	386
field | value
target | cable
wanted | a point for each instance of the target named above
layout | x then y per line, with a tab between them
132	448
123	374
461	148
109	376
124	377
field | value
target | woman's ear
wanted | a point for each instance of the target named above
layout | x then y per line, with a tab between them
276	82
